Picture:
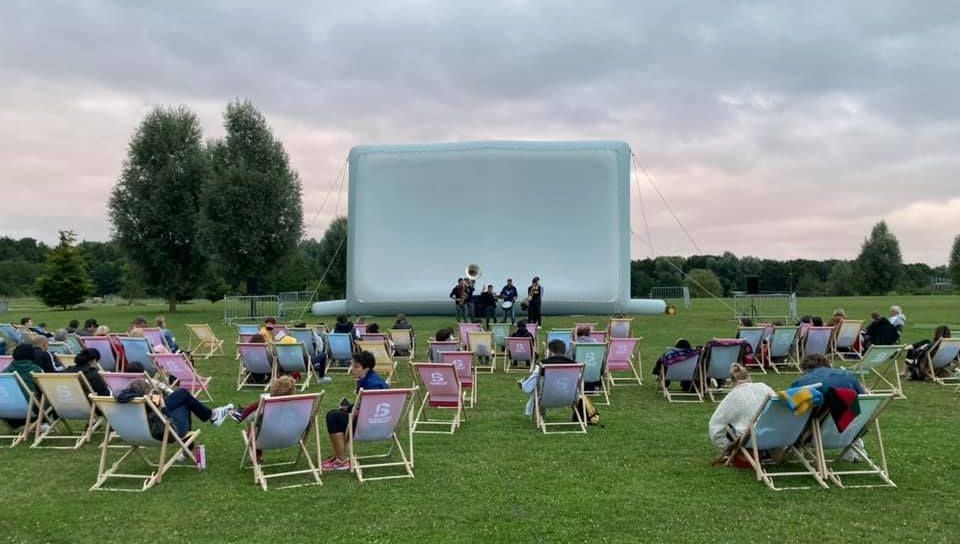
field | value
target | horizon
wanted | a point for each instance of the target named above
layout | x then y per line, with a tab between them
766	142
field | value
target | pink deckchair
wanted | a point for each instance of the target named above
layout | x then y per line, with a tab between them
154	335
5	361
599	336
108	359
443	392
520	350
463	329
623	355
379	414
118	381
177	366
360	329
462	361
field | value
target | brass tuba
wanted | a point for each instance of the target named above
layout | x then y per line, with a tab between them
473	272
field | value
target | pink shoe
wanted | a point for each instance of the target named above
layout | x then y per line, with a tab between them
329	464
342	465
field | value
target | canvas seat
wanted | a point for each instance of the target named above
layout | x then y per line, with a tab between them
63	398
817	341
5	361
203	342
500	333
481	344
293	358
717	363
385	363
282	423
879	370
941	356
306	336
17	402
245	333
754	337
138	350
463	329
178	367
443	393
155	336
339	351
108	357
254	359
685	370
58	348
783	349
564	335
404	344
379	419
839	443
619	327
593	357
519	350
623	356
74	343
463	363
846	342
559	388
118	381
127	423
599	337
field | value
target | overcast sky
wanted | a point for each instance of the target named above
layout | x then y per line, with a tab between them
779	131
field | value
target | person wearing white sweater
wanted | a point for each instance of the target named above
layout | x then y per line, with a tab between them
737	408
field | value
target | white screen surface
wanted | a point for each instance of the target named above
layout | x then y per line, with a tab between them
419	214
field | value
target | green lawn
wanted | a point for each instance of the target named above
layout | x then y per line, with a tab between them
646	476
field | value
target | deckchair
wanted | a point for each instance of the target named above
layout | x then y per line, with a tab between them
155	336
534	331
58	348
500	333
17	402
437	347
754	337
293	358
245	333
463	362
777	430
108	358
593	357
941	356
118	381
881	364
685	370
846	343
282	423
5	361
138	350
783	348
444	392
339	350
128	422
520	350
717	362
379	414
254	359
74	343
67	359
307	337
623	355
817	341
871	406
403	343
178	367
12	334
564	335
599	336
360	328
463	329
374	337
203	341
481	344
591	326
63	398
385	364
619	327
561	387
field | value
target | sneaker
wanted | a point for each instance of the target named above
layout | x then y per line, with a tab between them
237	415
44	427
713	383
330	464
342	465
220	414
325	379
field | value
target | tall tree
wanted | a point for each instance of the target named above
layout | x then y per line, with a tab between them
840	281
332	252
155	205
66	281
252	213
955	262
880	263
703	283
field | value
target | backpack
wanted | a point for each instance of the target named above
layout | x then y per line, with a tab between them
587	411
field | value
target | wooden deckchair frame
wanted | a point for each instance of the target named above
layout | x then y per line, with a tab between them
198	383
260	475
472	346
53	419
409	341
161	466
792	359
928	363
886	375
539	415
635	361
508	358
682	396
459	413
881	470
308	374
386	365
31	422
203	341
853	354
406	462
244	374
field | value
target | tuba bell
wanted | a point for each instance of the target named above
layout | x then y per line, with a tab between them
473	272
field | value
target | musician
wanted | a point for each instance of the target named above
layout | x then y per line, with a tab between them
509	294
534	299
487	305
459	296
471	300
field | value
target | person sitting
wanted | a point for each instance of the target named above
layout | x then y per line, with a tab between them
343	325
72	326
102	330
897	317
735	412
816	369
86	363
816	321
746	322
177	404
259	377
318	361
41	329
918	352
168	337
23	365
521	331
557	355
362	370
266	331
138	322
402	323
89	328
680	351
154	348
443	335
60	335
42	356
581	336
283	386
880	332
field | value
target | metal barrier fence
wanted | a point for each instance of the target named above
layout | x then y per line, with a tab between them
289	305
668	293
766	307
293	304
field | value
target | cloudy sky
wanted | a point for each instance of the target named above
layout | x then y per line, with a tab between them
772	130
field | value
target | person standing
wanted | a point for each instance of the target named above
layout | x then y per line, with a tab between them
509	294
488	302
534	300
459	296
471	286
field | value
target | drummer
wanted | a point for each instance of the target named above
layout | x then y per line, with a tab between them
487	306
509	297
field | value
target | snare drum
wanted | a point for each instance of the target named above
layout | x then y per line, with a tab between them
506	305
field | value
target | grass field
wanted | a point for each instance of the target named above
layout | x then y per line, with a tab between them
646	476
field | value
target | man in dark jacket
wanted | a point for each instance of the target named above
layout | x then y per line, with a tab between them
43	358
85	363
23	365
881	332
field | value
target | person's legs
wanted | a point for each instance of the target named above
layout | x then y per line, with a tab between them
460	313
320	364
337	421
182	399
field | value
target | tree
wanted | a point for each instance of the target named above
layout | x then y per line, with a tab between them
66	281
809	285
131	282
955	262
332	252
840	282
703	283
155	205
880	263
252	214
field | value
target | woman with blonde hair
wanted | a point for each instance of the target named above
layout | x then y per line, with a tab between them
735	412
283	386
